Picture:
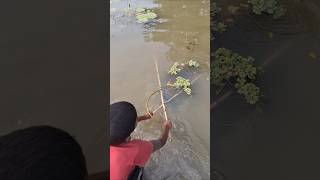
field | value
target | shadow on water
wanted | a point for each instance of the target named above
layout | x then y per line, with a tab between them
272	140
51	71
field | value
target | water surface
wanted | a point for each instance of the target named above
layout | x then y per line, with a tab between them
180	32
272	140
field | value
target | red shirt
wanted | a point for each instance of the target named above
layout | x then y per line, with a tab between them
126	156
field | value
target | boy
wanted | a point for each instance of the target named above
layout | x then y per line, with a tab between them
127	157
41	153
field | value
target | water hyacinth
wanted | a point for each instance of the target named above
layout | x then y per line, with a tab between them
267	6
144	16
174	69
233	69
183	83
219	27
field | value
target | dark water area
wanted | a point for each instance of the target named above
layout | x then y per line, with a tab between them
52	71
278	138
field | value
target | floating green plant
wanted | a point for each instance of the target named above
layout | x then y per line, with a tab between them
271	7
183	83
215	9
175	68
232	69
145	16
219	27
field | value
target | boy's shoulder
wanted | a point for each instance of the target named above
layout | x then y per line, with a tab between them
132	143
137	142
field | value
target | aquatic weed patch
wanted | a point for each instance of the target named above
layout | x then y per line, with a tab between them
145	15
229	68
271	7
181	82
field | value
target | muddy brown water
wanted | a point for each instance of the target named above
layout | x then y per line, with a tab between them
180	32
277	139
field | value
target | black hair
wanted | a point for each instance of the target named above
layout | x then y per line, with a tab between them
41	153
123	116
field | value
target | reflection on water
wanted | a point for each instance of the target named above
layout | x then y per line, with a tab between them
264	141
180	32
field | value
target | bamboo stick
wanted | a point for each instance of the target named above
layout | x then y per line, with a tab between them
161	93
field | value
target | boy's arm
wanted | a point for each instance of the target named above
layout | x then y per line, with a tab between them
144	117
159	143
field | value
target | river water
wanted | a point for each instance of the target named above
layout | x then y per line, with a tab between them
276	138
179	33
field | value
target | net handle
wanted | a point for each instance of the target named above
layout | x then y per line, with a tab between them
149	97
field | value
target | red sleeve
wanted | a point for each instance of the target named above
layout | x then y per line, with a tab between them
144	153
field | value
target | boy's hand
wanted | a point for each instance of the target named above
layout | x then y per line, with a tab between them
145	117
148	115
167	125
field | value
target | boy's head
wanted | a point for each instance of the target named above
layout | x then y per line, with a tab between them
123	116
41	152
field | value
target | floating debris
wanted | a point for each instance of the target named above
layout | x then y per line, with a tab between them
127	10
113	10
140	10
233	9
270	35
312	55
193	63
230	20
162	20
